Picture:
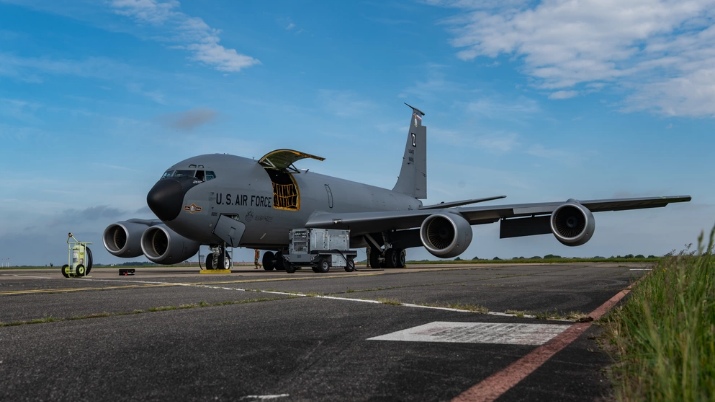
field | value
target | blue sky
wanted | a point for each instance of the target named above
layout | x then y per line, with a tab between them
539	101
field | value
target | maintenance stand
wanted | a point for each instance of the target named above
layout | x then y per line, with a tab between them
79	258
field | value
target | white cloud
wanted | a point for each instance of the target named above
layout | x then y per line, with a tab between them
663	50
345	103
191	33
156	96
491	108
290	26
497	142
563	94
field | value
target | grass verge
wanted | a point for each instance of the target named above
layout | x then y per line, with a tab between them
663	338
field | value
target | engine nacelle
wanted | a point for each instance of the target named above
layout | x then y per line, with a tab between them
164	246
123	239
572	224
446	235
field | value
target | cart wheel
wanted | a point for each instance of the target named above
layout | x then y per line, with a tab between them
80	270
290	268
350	267
66	271
316	270
90	260
324	265
268	260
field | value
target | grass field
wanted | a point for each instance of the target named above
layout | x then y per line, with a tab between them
663	338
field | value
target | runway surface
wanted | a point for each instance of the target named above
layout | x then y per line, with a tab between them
418	334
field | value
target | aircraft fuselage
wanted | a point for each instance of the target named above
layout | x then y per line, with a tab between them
244	189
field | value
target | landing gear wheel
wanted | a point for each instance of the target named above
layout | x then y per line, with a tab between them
80	270
375	258
280	264
209	261
401	258
390	258
268	260
224	262
66	271
350	267
90	260
324	265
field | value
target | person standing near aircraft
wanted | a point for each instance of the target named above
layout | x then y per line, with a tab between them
256	254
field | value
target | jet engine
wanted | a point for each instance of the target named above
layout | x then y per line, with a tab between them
572	224
446	235
123	239
164	246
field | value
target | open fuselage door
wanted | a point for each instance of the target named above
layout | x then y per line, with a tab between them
279	166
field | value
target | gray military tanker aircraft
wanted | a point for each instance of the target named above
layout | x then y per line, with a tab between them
225	201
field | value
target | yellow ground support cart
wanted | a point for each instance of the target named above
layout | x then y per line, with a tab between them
79	258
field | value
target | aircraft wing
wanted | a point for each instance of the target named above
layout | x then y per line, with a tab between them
371	222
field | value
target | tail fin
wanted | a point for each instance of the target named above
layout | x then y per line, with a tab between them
413	174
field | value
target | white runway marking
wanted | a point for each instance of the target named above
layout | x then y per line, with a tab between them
26	276
477	332
265	397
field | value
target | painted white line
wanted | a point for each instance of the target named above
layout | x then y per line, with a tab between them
477	332
294	294
264	397
27	276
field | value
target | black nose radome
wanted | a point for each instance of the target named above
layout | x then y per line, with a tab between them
166	198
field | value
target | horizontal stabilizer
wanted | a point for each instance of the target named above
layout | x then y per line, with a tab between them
459	203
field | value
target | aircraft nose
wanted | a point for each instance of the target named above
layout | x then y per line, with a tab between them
166	198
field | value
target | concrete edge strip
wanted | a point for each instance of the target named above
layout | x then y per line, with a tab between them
497	384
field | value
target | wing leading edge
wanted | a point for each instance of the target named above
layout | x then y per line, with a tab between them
371	222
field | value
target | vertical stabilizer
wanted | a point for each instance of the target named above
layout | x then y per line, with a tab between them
413	174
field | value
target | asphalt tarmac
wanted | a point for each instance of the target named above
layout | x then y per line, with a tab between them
168	334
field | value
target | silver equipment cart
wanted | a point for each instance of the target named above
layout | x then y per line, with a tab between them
320	249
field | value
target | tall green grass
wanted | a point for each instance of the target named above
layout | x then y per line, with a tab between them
663	338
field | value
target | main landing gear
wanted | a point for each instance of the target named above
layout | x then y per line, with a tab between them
276	261
383	254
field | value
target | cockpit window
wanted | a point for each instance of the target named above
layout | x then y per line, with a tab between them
210	175
200	175
166	174
183	173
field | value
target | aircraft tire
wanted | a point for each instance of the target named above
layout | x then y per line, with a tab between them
268	260
224	262
80	270
375	258
66	271
390	258
350	267
280	264
401	258
209	261
324	265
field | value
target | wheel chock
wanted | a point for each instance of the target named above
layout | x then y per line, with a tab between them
126	271
215	271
